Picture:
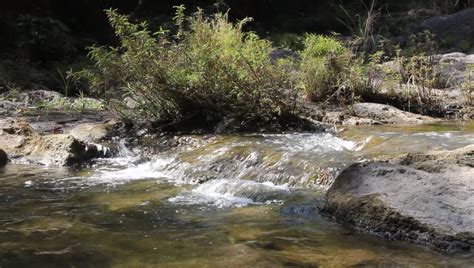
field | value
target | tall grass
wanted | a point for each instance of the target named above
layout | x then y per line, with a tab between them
362	27
328	69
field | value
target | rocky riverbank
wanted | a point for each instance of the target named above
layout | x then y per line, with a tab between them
39	124
24	144
424	198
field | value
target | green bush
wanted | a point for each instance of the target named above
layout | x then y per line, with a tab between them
208	68
328	68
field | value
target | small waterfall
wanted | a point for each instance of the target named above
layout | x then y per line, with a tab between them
231	170
242	170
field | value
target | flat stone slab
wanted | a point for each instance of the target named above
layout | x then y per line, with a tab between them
389	115
401	202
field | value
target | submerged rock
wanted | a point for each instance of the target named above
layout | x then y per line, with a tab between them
428	202
3	158
388	114
20	140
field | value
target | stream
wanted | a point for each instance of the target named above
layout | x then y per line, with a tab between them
222	201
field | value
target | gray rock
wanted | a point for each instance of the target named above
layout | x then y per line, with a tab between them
358	121
35	97
457	30
455	56
3	158
434	208
95	132
454	68
387	114
131	103
19	140
61	150
342	118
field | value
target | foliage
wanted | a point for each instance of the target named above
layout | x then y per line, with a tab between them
467	87
79	104
421	43
64	81
209	68
362	27
415	78
328	68
419	70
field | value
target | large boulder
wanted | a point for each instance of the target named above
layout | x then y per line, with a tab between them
61	150
3	158
430	202
455	69
456	30
20	140
388	114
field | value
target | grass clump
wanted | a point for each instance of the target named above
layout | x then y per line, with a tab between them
209	68
467	87
329	69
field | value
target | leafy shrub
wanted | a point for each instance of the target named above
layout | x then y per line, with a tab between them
422	74
421	43
208	68
328	68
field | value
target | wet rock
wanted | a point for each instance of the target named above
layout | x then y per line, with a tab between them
388	114
428	200
20	140
96	132
3	158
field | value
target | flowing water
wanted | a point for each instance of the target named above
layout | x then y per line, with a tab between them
227	201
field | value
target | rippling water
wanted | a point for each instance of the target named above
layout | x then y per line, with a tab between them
232	201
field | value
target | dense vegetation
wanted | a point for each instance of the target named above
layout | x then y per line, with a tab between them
208	68
174	64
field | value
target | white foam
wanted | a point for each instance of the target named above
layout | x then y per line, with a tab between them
296	156
320	142
232	193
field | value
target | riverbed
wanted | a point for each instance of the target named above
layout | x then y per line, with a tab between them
226	201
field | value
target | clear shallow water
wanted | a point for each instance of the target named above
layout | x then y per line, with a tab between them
234	201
